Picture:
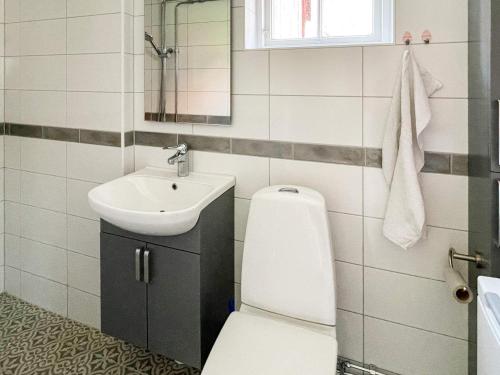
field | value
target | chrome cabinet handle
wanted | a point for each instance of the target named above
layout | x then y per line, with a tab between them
138	253
147	277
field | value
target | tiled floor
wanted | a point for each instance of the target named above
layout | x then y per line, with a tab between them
34	341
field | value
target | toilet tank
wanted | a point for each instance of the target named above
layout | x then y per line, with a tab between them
288	263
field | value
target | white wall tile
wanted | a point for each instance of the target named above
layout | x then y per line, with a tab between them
446	19
87	35
13	281
418	352
43	156
446	200
250	72
44	226
309	71
13	152
347	236
82	159
414	301
249	119
238	260
350	335
349	286
44	293
91	7
252	173
43	260
339	184
78	204
43	191
241	209
36	38
97	72
29	10
92	110
84	308
84	273
36	72
36	107
13	251
323	120
12	185
12	218
83	236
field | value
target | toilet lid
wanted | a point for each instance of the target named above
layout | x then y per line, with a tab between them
255	345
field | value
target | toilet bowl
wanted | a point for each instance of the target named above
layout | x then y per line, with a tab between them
286	323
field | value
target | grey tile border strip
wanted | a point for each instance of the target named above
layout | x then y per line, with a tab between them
202	143
154	139
373	157
460	164
129	138
329	154
100	138
61	134
19	130
270	149
95	137
435	162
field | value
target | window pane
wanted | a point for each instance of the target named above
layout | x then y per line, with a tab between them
347	18
294	19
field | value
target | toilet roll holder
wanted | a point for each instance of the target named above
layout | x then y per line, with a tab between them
478	259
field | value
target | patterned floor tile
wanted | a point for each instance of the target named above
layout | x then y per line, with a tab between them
36	342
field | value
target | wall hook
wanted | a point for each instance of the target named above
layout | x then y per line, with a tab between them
426	36
407	38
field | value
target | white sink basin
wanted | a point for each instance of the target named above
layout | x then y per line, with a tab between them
156	202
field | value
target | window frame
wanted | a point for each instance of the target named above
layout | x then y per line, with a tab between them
383	25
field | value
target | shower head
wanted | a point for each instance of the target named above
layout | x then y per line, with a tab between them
148	37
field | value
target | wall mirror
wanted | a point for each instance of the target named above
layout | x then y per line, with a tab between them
187	74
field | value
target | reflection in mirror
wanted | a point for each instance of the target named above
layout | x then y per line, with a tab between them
187	61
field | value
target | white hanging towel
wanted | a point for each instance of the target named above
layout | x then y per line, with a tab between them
403	154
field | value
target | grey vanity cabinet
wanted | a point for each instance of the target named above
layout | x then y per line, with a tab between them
123	299
174	304
171	295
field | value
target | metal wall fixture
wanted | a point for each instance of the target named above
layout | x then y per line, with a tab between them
477	259
344	365
461	292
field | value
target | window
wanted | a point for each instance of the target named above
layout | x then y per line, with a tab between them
292	23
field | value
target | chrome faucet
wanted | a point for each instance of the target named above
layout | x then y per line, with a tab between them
181	157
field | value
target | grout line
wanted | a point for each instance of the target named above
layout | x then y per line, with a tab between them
414	327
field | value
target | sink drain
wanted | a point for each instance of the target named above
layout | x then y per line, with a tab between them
174	186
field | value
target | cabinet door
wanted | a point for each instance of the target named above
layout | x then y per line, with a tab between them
123	298
174	304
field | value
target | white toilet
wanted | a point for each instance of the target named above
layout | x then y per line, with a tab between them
286	324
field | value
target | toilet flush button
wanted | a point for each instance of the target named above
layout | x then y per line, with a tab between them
289	190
